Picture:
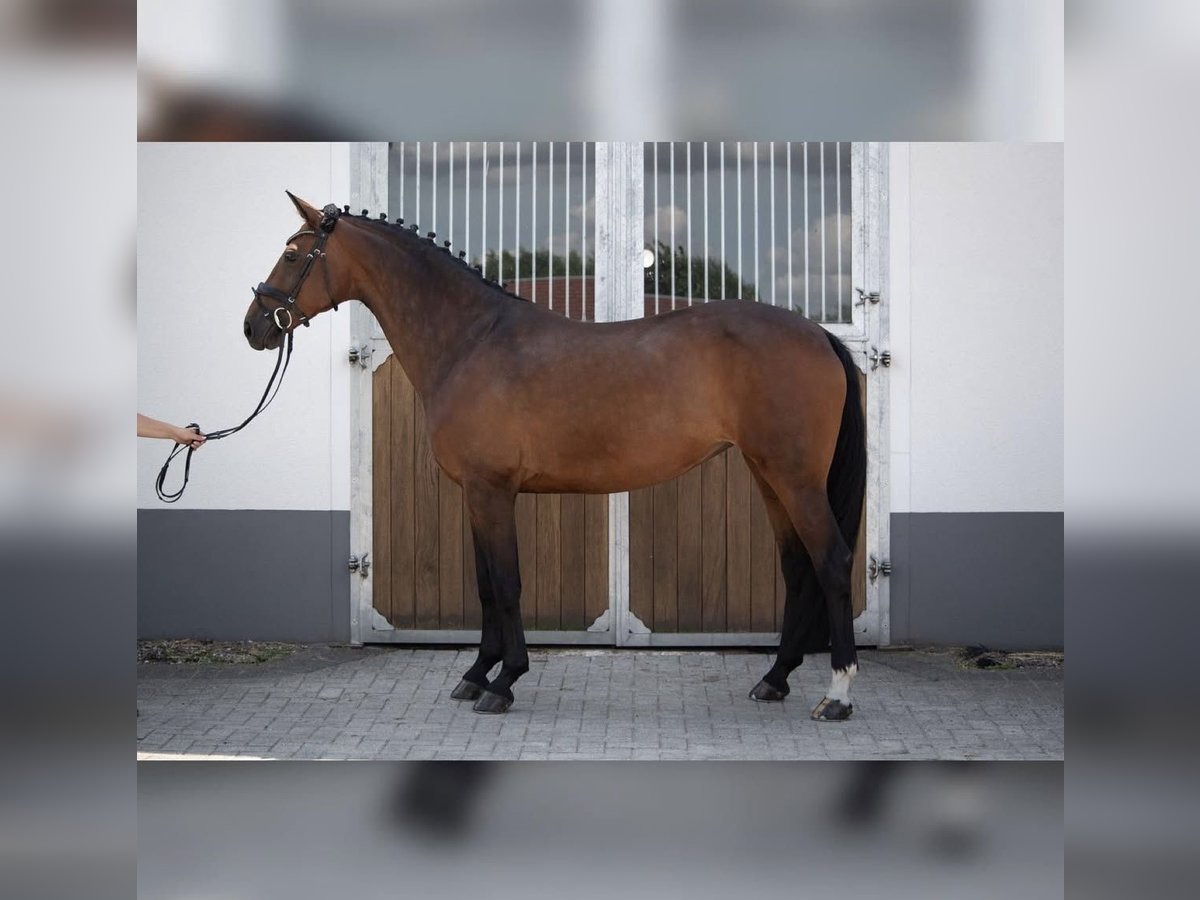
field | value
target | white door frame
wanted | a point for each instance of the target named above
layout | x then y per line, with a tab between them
619	287
368	190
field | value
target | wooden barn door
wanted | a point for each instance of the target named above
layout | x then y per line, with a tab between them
687	563
424	561
796	225
523	213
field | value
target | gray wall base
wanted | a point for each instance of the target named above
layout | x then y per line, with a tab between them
244	574
958	578
978	578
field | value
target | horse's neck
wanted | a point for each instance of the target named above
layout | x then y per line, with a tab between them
426	307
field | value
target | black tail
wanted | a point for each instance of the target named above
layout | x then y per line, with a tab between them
846	487
847	482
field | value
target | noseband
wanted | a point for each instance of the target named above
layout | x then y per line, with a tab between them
286	308
287	301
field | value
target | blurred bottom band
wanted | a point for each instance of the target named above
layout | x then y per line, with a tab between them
596	829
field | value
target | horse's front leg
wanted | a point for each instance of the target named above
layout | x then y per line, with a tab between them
493	521
491	642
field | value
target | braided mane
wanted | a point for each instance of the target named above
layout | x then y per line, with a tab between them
428	242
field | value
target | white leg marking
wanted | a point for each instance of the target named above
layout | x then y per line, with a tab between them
839	684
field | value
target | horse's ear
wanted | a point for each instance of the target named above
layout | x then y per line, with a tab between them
308	213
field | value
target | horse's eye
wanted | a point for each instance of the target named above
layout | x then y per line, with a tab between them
289	255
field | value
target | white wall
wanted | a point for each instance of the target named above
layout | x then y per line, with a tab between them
212	219
977	327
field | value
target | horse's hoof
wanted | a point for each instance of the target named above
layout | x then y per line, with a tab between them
766	693
492	704
832	711
466	690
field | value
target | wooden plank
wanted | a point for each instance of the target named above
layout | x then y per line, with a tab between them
571	543
381	485
737	542
450	553
713	586
689	544
762	565
666	556
527	557
641	555
549	561
425	514
472	611
404	533
595	552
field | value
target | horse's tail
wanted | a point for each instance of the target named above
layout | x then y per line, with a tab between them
847	481
845	488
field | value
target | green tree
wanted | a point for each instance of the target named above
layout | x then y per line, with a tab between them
722	281
536	264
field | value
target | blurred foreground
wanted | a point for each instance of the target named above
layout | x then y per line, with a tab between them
591	830
600	69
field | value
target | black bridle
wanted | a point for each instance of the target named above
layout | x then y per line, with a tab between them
287	304
316	253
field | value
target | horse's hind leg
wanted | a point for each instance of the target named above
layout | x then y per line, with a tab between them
808	507
493	520
491	642
805	621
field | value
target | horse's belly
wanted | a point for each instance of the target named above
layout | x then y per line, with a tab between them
608	466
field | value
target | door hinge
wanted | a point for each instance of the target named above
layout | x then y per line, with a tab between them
361	355
880	359
865	297
875	568
361	566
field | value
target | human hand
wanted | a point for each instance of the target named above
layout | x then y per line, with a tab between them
190	436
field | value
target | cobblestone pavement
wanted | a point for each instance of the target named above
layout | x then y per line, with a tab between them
384	703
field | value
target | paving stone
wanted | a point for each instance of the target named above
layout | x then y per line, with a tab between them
393	703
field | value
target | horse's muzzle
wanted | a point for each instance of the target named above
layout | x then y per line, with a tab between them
261	333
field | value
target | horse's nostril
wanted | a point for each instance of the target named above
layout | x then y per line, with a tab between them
246	329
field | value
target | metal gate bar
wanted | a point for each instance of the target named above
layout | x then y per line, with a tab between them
504	203
808	270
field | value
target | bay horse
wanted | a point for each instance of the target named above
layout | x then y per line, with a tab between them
520	399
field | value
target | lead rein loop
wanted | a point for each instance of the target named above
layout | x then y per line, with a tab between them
282	360
330	215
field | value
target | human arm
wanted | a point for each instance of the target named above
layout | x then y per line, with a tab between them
153	428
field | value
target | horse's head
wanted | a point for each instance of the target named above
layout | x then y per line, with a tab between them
306	280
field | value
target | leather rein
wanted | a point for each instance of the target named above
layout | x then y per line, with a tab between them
286	306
